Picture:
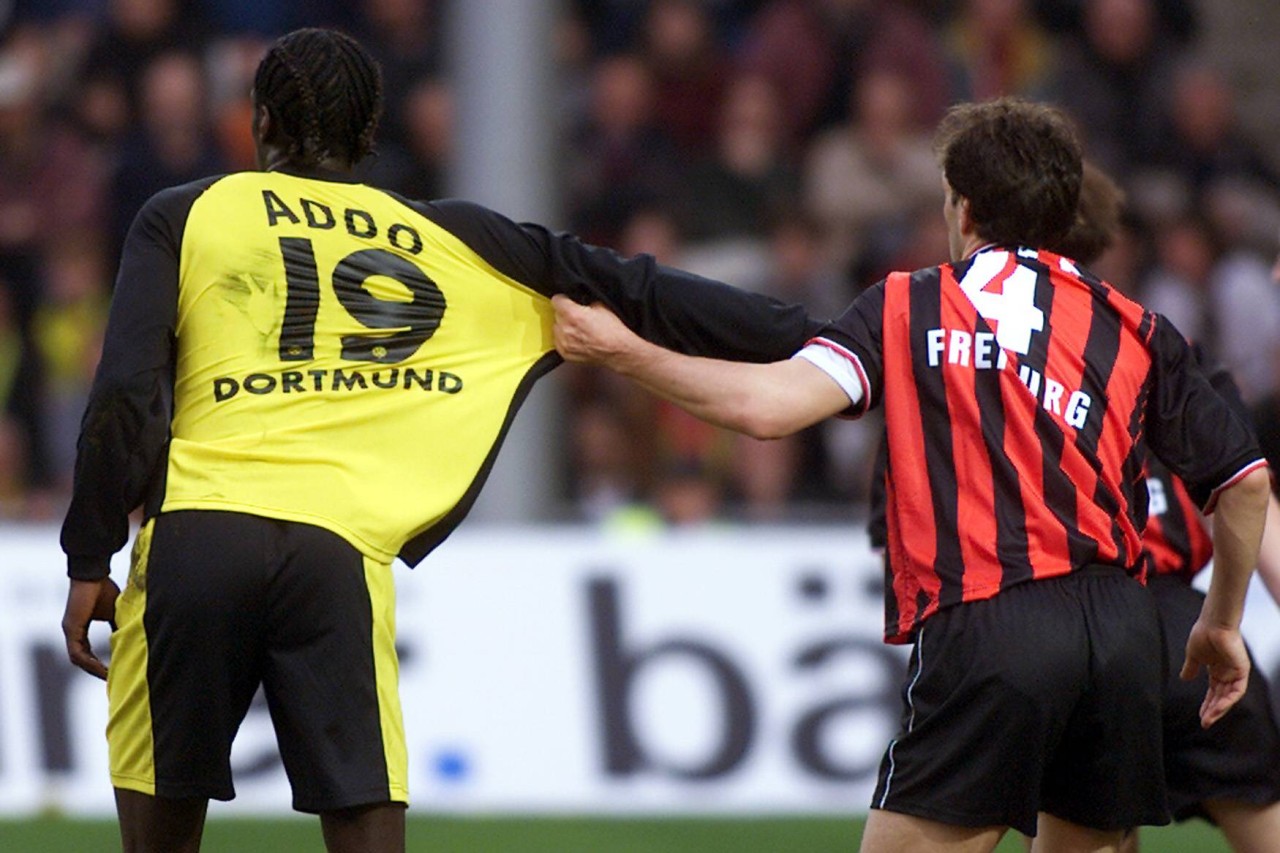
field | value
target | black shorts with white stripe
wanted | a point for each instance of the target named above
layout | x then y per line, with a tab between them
1043	698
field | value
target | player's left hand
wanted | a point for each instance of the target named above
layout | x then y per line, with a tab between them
1221	652
88	601
590	334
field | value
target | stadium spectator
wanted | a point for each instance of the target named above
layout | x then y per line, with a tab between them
405	36
1222	299
1113	77
690	72
257	20
172	142
1247	305
1206	144
996	553
32	160
620	159
996	47
688	493
864	179
134	34
729	195
1179	284
420	168
276	498
605	466
13	451
1178	18
228	92
815	52
67	328
798	270
763	478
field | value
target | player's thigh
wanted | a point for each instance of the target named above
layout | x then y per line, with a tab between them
331	674
1250	828
890	832
184	657
1056	835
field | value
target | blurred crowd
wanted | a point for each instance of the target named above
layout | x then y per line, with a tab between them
780	145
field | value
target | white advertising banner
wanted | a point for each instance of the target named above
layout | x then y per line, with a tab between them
559	670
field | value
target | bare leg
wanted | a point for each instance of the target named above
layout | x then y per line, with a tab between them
891	832
378	828
1248	828
1055	835
158	824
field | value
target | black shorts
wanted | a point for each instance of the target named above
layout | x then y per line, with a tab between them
1043	698
220	603
1238	757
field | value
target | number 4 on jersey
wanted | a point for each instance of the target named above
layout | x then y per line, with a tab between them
1012	310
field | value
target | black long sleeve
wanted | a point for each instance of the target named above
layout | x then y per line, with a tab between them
679	310
126	422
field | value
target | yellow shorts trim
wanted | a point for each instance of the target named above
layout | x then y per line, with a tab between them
130	744
382	599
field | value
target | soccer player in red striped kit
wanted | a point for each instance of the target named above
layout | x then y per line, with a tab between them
1021	396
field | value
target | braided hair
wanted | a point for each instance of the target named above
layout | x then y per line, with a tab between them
323	92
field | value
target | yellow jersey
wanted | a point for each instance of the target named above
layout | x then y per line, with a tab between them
304	347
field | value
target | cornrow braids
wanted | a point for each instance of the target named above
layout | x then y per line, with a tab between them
324	93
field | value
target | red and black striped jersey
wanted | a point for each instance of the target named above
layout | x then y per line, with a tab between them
1021	395
1176	535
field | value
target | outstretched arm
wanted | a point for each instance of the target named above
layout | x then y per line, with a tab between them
762	400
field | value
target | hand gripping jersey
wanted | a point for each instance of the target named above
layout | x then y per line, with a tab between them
1021	397
305	348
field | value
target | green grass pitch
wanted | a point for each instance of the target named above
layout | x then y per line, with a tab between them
541	835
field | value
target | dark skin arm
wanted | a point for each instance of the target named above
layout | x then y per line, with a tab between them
88	601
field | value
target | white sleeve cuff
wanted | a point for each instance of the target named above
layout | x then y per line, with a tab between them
841	365
1212	503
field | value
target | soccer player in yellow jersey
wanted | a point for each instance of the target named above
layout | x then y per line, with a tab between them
303	378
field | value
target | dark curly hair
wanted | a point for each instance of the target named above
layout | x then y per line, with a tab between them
323	92
1019	165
